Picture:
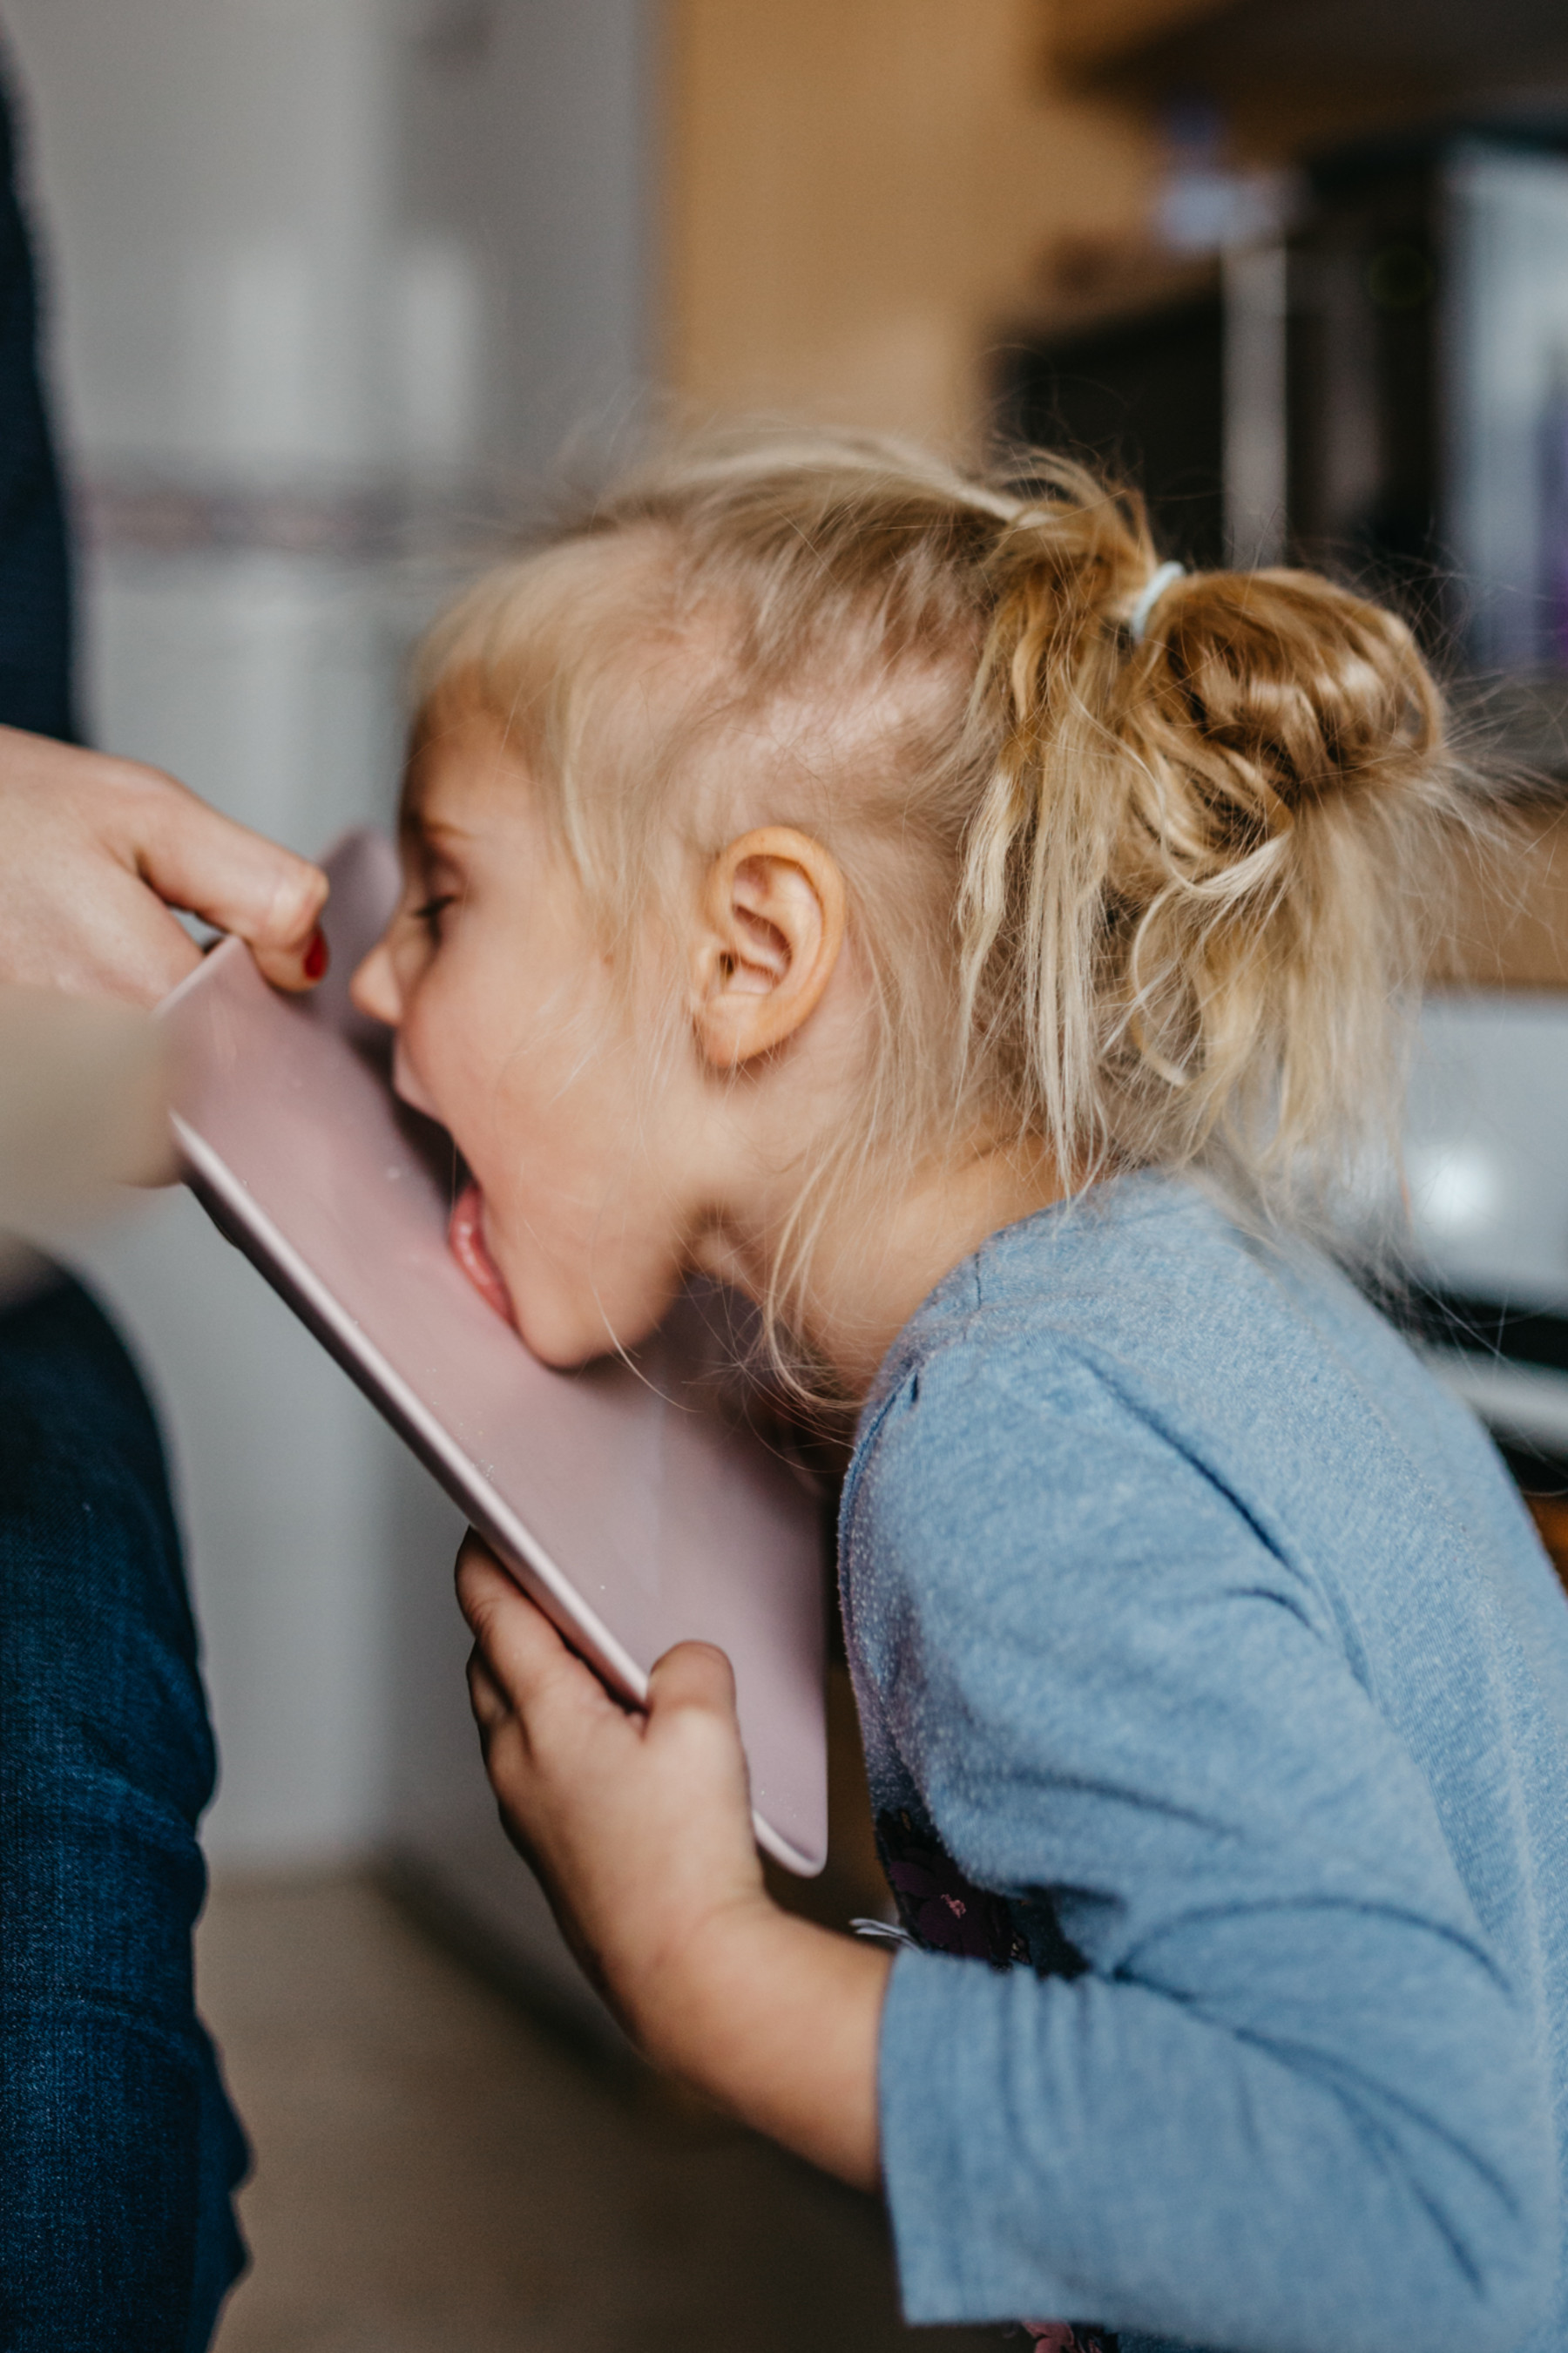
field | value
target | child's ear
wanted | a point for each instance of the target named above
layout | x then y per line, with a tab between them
770	928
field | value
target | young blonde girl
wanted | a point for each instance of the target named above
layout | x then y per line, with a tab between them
895	891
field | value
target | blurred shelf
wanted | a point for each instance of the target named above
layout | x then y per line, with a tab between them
1220	43
1297	78
1090	34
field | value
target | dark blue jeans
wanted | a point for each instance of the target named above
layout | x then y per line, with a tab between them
119	2151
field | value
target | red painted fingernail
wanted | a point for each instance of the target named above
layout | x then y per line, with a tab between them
316	954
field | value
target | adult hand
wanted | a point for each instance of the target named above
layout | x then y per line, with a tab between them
638	1824
95	851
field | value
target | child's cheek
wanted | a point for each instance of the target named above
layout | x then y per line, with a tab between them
443	1027
430	1063
408	1083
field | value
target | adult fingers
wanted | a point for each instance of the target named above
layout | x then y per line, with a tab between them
100	932
83	1105
235	880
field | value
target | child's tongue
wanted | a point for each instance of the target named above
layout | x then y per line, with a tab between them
466	1240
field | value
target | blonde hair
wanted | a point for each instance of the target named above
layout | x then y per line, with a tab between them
1164	903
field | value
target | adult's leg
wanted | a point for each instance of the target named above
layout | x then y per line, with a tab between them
34	559
118	2150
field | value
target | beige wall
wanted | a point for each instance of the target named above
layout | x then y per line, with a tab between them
863	193
861	197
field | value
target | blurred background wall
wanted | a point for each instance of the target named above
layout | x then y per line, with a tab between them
333	283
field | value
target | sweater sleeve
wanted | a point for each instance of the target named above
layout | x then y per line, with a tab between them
1291	2104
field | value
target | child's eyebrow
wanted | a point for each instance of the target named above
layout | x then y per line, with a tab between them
422	832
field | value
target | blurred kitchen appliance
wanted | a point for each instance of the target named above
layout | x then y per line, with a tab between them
1142	395
1381	392
1428	389
1486	1159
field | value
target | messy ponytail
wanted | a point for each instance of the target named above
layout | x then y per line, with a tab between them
1152	897
1203	869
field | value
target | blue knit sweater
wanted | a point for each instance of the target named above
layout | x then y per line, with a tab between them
1215	1690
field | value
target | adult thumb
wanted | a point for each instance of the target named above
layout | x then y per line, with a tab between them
195	857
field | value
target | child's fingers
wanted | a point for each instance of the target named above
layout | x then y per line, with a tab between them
480	1577
691	1707
523	1654
520	1648
486	1697
693	1674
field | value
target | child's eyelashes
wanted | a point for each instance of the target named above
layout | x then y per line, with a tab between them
430	913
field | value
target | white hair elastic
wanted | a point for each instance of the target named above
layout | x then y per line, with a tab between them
1153	589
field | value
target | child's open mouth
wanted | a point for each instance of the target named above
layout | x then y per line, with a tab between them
466	1240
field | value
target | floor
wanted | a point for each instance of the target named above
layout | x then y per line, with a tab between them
437	2172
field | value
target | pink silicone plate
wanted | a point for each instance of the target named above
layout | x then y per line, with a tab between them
631	1503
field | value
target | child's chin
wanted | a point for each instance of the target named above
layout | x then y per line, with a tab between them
561	1333
466	1239
567	1333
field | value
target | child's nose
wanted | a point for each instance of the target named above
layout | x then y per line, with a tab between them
374	989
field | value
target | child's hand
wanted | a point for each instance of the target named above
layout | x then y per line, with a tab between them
640	1827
